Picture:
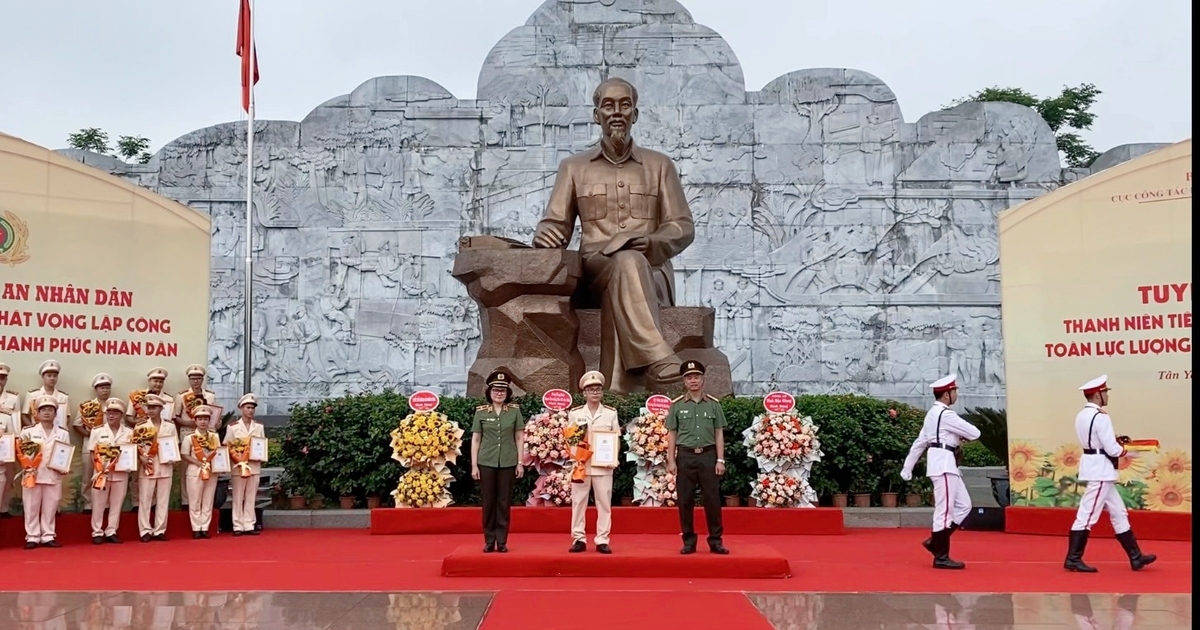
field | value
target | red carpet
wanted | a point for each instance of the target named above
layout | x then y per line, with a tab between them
76	528
521	610
883	560
626	520
1057	521
635	560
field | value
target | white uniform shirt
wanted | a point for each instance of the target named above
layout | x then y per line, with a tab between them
605	419
240	429
103	435
1099	436
36	433
10	413
64	404
942	426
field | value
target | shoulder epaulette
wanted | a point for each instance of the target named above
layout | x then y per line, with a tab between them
9	391
678	398
59	391
608	406
576	408
183	392
482	407
712	398
35	389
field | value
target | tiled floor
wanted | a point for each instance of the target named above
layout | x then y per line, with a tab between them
452	611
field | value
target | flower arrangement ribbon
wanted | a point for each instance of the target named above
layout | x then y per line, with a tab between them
29	456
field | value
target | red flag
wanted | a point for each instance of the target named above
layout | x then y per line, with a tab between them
245	45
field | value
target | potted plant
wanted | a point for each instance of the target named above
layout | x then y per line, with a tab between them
891	484
627	500
920	492
862	488
297	494
279	499
841	498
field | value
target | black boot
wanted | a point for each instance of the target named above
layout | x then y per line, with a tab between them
1075	546
928	542
941	547
1137	559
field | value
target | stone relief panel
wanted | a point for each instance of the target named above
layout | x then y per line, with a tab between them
842	248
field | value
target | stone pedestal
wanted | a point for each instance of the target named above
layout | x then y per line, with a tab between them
531	330
529	327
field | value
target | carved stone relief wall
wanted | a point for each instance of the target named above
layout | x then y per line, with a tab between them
844	249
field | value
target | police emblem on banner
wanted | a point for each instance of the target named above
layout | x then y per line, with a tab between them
14	238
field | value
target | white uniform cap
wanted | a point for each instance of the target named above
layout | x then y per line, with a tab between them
101	379
157	373
114	404
47	401
152	400
49	366
591	378
248	399
944	384
4	369
202	410
1098	384
196	370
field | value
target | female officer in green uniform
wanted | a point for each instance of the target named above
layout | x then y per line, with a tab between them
497	432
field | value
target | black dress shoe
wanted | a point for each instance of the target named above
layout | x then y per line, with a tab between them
252	532
687	550
720	550
604	549
578	547
195	535
501	548
52	543
145	538
97	540
113	539
204	535
31	545
237	533
160	537
489	548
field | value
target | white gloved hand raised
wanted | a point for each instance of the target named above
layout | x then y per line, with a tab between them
906	475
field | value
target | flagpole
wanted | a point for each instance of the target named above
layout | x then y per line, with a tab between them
247	334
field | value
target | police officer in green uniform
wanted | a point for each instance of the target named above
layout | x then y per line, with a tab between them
497	431
696	455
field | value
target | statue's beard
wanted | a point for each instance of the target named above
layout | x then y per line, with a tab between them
619	139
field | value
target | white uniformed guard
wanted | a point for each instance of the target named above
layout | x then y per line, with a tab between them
154	489
598	482
1098	467
243	490
40	498
943	434
111	493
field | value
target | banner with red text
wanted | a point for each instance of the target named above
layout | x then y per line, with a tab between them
99	275
1096	279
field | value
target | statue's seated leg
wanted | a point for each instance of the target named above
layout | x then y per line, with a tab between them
630	298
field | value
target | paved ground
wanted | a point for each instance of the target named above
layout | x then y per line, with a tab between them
453	611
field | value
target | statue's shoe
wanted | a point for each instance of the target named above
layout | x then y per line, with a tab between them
665	371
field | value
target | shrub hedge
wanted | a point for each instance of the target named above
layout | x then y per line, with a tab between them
340	446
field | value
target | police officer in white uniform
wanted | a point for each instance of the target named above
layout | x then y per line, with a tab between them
596	416
1098	467
942	435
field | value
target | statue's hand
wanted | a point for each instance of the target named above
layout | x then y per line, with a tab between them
549	237
638	243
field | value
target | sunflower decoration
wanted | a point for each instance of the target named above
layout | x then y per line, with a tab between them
1022	478
1169	492
145	438
90	413
1173	463
426	439
423	487
1131	469
1022	453
191	400
1065	460
137	400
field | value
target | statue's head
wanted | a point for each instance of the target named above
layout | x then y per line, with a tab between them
616	111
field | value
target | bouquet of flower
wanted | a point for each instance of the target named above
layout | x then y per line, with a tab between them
426	438
545	443
661	489
782	440
29	456
145	438
422	487
581	452
137	399
782	489
239	454
647	439
191	400
553	488
104	459
204	448
89	413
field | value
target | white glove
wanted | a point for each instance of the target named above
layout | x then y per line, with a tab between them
906	475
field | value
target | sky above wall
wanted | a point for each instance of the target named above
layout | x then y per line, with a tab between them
163	69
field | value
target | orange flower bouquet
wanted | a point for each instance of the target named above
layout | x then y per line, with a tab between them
191	400
239	452
581	452
89	412
138	400
145	438
29	456
104	460
204	449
